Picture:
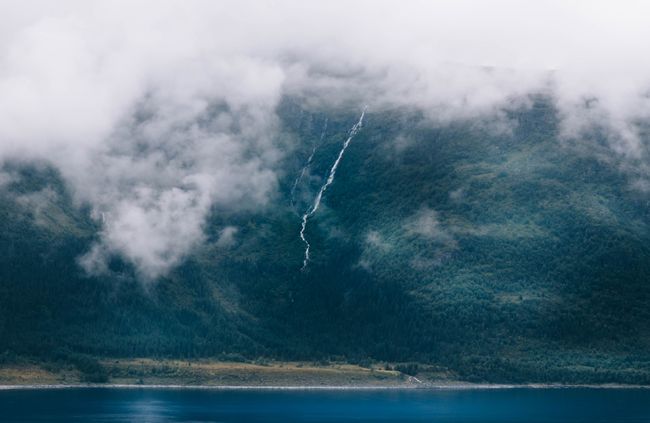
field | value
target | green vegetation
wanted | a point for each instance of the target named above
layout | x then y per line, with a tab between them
208	373
491	256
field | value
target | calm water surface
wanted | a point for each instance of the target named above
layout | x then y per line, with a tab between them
189	405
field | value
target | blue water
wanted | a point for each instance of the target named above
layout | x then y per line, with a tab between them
160	405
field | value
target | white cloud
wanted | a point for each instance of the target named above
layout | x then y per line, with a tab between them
425	223
154	111
375	241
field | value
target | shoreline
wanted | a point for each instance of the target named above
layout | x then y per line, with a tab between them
144	373
423	387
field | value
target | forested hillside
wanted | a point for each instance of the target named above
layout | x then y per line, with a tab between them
497	250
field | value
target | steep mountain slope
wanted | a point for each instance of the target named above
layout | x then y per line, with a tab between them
501	253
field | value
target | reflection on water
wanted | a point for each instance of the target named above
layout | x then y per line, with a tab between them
191	405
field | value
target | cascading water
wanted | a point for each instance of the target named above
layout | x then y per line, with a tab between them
330	179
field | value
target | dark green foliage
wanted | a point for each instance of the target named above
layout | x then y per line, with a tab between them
506	256
92	371
410	369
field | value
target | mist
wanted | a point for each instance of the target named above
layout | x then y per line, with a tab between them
155	112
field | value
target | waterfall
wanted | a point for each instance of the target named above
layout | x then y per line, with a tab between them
330	179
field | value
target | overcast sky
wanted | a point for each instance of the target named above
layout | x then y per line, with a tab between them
115	93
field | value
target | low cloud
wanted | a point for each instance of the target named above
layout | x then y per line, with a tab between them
425	224
375	241
227	237
6	178
154	112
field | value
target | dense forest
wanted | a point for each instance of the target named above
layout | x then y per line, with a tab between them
501	252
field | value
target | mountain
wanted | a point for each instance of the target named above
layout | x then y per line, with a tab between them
495	250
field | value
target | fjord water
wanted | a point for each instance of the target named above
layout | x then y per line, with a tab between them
412	405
